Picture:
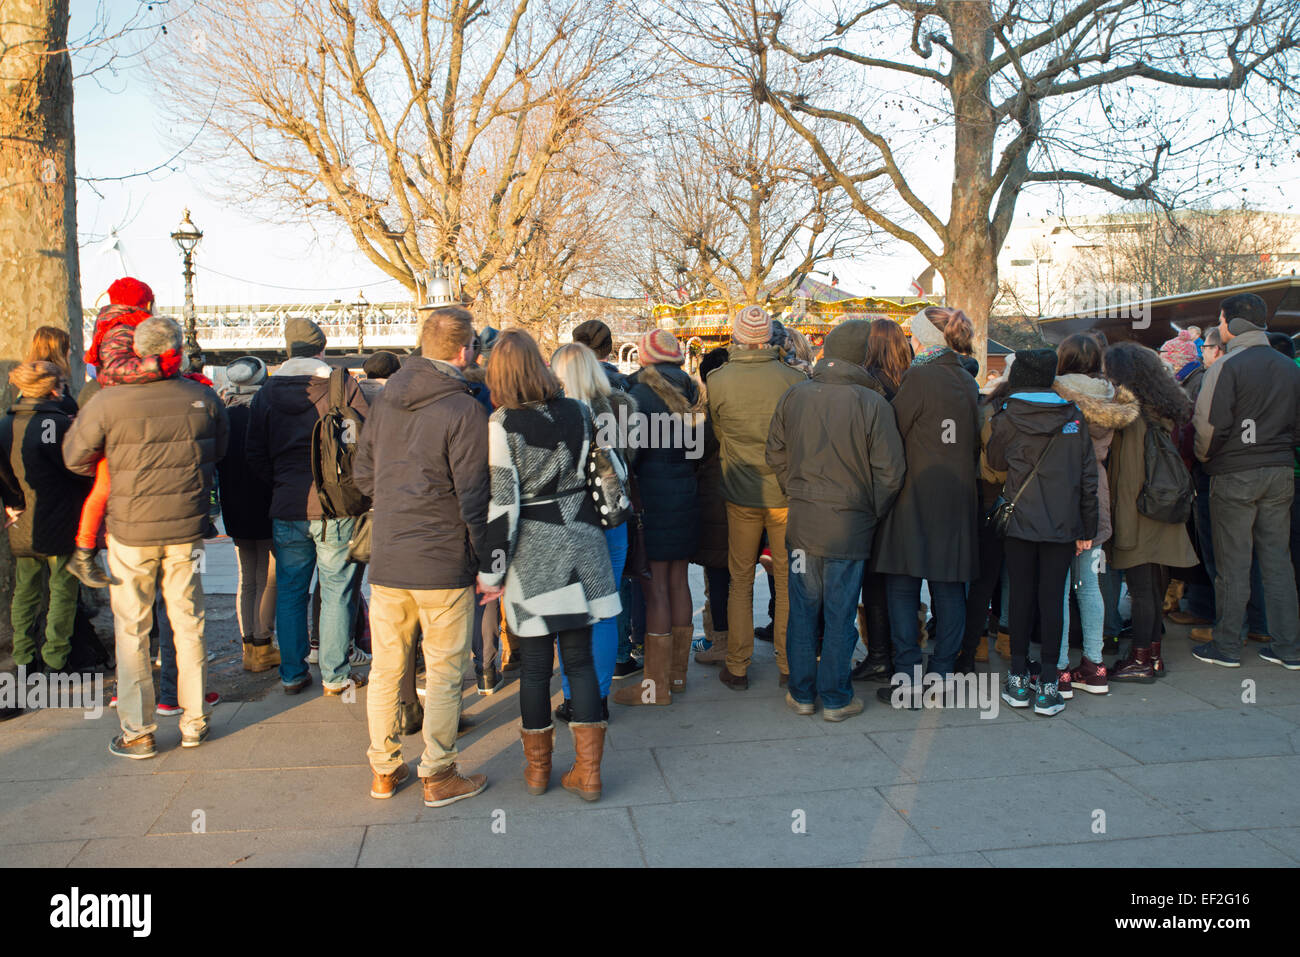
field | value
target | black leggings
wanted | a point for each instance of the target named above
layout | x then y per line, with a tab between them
1146	588
537	662
983	589
1037	571
717	585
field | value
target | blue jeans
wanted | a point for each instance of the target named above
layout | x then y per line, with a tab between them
633	615
319	546
948	601
604	633
1111	581
827	589
1084	574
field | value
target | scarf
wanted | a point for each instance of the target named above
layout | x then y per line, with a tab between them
928	355
1186	371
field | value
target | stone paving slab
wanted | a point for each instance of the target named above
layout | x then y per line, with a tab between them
302	847
1224	795
122	806
1192	736
1220	849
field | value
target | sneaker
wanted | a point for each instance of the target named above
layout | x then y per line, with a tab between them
1015	691
798	707
212	699
626	669
359	657
355	681
313	655
138	749
112	702
383	786
1048	701
1064	684
766	633
450	786
194	740
489	682
1272	657
1090	677
168	710
1208	653
839	714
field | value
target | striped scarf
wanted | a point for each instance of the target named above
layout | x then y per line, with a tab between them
926	356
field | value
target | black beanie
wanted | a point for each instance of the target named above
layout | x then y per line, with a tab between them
302	337
1033	369
381	365
848	341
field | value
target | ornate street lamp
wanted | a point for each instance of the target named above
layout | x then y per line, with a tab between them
439	289
359	308
186	237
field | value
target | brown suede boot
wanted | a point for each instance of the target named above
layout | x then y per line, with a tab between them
449	786
682	635
655	687
538	746
583	778
982	649
260	656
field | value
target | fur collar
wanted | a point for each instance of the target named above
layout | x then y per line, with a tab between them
653	379
1101	403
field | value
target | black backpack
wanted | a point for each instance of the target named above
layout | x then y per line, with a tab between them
333	447
1167	490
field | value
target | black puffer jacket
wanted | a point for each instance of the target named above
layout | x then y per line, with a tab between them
423	460
34	478
163	441
837	453
666	476
281	420
245	495
1060	504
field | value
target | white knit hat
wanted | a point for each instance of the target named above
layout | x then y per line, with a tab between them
926	332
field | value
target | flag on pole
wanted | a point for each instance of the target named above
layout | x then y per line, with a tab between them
916	289
835	280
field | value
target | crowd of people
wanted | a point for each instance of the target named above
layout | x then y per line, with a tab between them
505	508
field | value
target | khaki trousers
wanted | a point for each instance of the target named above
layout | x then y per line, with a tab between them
137	571
445	616
745	527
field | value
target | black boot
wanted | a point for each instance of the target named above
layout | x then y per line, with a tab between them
879	663
86	570
565	711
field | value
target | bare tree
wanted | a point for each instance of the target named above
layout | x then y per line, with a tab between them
39	277
427	129
1164	255
994	96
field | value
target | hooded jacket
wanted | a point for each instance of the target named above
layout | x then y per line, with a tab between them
743	394
1248	411
1060	503
837	454
1106	409
665	470
280	423
33	478
162	441
112	351
423	460
1136	539
245	494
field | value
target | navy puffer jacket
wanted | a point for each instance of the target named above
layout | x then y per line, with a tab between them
665	473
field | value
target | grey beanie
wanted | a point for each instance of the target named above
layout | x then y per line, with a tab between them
246	372
302	337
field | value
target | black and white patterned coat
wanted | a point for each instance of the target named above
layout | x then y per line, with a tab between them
543	534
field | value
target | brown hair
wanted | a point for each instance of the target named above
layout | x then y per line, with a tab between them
958	330
516	372
888	351
36	379
1079	354
445	332
51	344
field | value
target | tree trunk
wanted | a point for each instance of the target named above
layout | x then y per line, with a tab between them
39	278
969	265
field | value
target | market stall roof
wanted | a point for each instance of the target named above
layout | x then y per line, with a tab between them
1154	321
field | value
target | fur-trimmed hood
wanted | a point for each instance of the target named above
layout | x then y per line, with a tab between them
1102	404
670	394
612	402
474	373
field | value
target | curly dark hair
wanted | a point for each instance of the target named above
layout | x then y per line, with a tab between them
1140	370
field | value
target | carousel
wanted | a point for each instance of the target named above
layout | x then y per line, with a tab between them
706	324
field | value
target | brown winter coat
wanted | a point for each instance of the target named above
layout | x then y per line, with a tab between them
1105	409
1136	539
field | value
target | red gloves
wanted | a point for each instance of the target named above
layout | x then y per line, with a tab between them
170	362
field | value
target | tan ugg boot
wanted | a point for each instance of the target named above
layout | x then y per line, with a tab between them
583	778
682	635
538	746
716	653
655	686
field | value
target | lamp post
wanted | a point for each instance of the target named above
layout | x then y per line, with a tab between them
186	237
439	290
359	307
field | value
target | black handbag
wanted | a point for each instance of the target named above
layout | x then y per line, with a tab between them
607	483
359	543
999	520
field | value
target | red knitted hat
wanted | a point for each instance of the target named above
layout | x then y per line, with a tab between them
751	326
659	346
1181	349
130	292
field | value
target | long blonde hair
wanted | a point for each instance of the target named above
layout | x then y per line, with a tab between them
579	372
51	344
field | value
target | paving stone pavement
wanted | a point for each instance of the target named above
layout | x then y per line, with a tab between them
1201	768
